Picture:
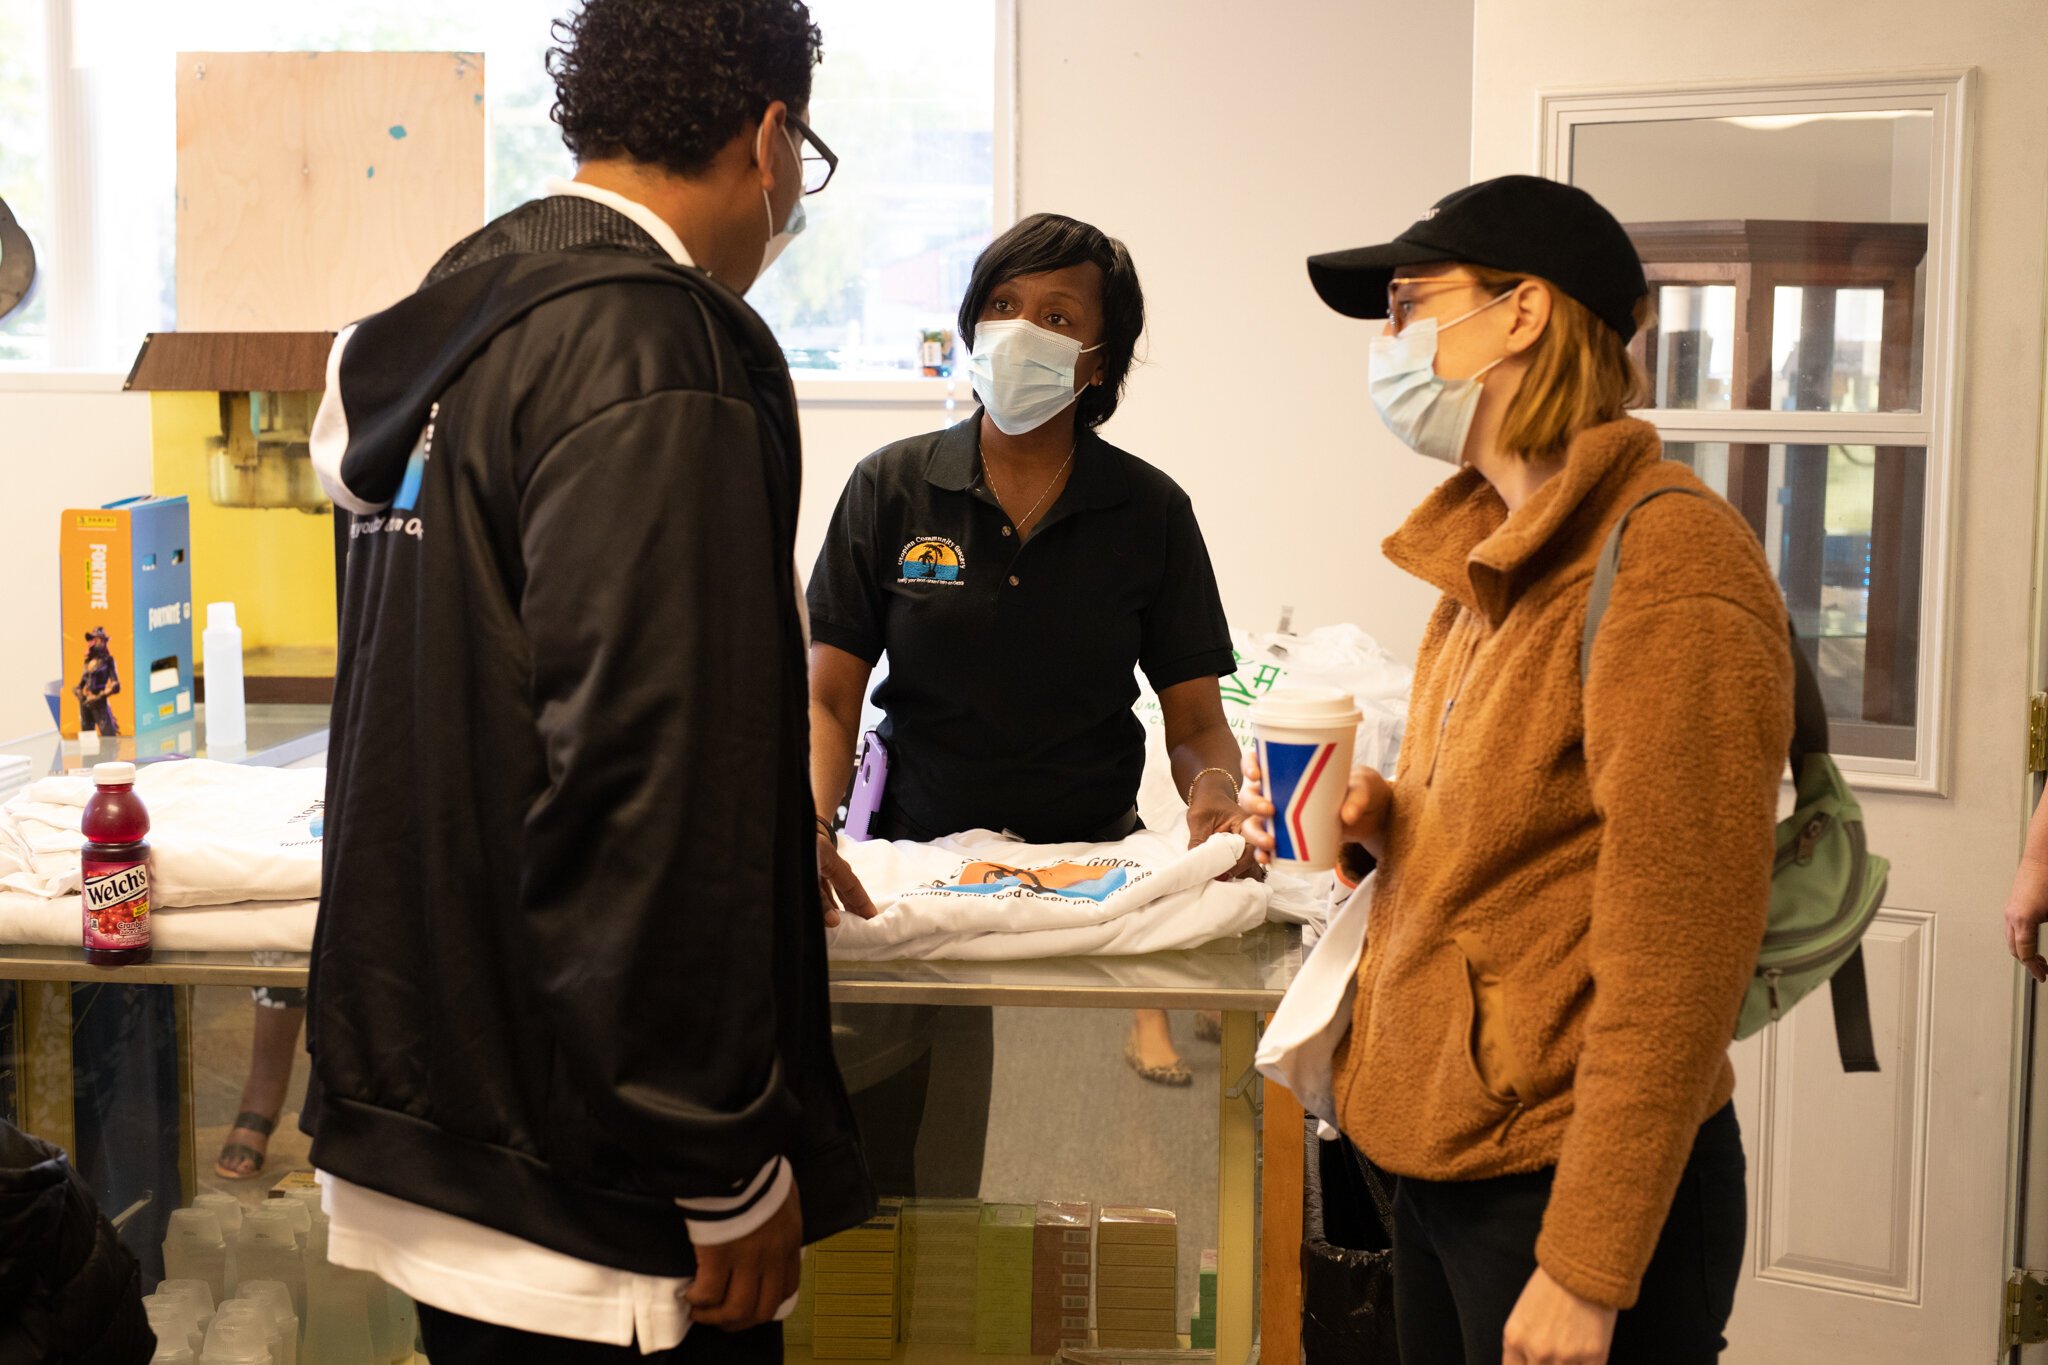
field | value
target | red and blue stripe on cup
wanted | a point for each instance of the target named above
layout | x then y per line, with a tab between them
1292	772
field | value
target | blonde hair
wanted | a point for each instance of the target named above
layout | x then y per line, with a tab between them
1581	373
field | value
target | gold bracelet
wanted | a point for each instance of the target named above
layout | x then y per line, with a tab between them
1220	772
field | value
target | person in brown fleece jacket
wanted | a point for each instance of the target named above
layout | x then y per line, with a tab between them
1572	880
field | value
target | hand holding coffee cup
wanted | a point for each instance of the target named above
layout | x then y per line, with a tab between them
1303	810
1363	816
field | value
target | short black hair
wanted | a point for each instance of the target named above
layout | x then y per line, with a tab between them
1052	241
670	82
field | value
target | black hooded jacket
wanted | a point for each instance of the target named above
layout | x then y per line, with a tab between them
70	1294
570	963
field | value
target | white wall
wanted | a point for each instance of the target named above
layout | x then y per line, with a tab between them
1224	144
66	443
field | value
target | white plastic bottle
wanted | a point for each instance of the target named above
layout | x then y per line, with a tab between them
194	1293
173	1321
254	1311
238	1339
268	1250
339	1311
227	719
274	1293
193	1250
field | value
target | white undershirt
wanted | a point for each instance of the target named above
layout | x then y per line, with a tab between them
491	1276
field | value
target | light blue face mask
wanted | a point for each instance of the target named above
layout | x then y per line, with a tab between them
1432	415
791	226
1023	374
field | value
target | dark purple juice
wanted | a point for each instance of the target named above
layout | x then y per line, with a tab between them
115	869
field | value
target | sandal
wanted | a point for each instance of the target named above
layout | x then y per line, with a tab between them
1208	1027
240	1152
1176	1073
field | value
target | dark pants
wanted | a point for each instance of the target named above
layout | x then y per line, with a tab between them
1464	1251
452	1340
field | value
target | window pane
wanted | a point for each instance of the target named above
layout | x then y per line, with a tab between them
1814	225
1691	358
24	172
906	98
1842	526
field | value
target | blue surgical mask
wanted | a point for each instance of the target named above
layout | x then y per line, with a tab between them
1023	374
1432	415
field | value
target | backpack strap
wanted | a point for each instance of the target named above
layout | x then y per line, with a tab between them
1848	989
1809	710
1849	993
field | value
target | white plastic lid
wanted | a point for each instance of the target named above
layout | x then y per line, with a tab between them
268	1225
1305	706
196	1225
220	615
239	1339
274	1293
198	1293
113	774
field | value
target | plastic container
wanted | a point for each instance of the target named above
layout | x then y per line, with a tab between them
343	1309
267	1249
172	1319
241	1338
279	1298
296	1212
225	1207
195	1250
262	1312
227	716
114	864
195	1293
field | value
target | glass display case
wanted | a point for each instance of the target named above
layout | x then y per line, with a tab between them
142	1074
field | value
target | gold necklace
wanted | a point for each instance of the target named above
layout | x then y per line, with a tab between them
1025	520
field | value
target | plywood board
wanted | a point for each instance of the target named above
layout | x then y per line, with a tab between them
317	187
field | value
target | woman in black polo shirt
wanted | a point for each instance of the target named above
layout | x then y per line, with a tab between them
1018	569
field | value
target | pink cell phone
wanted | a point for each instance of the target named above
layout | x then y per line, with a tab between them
870	777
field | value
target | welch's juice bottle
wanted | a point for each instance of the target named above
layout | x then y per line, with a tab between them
115	869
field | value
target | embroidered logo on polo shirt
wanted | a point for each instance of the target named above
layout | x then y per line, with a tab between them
931	559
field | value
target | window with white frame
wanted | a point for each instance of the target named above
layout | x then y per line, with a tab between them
907	97
1801	246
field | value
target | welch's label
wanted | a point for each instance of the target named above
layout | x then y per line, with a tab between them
115	899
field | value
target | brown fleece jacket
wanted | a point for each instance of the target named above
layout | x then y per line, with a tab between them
1574	886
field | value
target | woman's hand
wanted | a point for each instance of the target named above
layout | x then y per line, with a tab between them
1363	815
838	888
1216	811
1553	1326
2026	908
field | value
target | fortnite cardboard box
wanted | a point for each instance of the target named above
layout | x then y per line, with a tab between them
126	575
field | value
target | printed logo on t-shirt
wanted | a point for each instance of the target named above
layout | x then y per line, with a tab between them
1095	881
931	559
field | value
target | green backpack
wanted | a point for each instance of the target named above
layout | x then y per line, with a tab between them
1826	884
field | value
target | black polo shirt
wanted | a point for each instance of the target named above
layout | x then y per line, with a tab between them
1012	663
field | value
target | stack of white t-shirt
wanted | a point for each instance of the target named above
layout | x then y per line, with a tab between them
981	895
234	856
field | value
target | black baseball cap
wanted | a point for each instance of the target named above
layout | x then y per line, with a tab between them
1521	223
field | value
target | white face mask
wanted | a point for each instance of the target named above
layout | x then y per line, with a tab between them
1432	415
1023	374
780	238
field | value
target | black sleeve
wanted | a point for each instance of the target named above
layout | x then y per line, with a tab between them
1185	633
844	597
662	656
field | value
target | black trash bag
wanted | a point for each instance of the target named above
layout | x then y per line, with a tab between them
1347	1258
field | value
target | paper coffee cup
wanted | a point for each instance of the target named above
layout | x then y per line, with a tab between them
1304	737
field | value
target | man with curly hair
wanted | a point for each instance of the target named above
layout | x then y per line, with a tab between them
573	1085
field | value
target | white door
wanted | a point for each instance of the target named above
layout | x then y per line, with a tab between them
1843	207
